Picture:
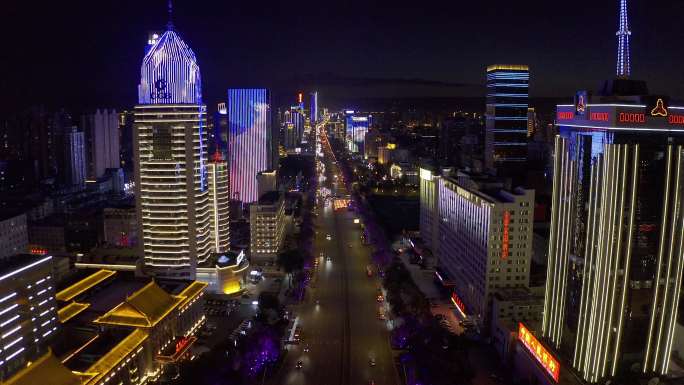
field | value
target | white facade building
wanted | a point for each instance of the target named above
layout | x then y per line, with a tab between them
219	198
485	243
267	226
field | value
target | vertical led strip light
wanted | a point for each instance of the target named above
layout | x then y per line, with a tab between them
624	68
249	119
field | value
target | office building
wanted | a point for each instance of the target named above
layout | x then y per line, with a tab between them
506	120
294	128
616	250
267	226
267	181
314	108
28	311
356	127
74	158
13	233
485	241
219	198
102	136
172	196
429	213
249	140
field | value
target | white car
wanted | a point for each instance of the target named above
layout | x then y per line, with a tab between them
328	237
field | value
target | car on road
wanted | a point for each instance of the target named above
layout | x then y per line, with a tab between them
371	362
329	259
328	237
300	364
350	245
381	315
380	298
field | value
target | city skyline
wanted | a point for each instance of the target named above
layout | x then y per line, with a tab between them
347	64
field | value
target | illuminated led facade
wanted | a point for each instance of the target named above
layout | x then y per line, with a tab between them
28	313
219	198
616	252
357	125
485	241
506	119
314	107
172	197
429	217
249	140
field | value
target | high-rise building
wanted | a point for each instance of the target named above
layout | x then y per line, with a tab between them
102	135
357	125
219	197
314	107
28	309
294	128
485	241
267	226
429	214
506	119
616	249
13	233
172	196
249	140
74	158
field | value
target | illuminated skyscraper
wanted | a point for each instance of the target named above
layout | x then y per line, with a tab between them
314	107
172	197
249	140
102	137
357	125
506	126
219	198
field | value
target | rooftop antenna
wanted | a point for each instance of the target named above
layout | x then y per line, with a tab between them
624	69
169	25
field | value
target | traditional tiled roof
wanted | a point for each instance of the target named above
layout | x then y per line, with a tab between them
192	291
47	369
145	308
123	349
71	310
84	285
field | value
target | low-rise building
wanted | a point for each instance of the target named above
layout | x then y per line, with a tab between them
267	227
120	226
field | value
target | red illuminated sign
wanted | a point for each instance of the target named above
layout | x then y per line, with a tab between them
504	245
675	119
181	344
538	351
602	116
628	117
38	250
300	97
566	115
458	303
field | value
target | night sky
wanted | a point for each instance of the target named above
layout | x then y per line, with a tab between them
87	54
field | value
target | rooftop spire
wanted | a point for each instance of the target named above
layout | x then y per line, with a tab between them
624	68
169	25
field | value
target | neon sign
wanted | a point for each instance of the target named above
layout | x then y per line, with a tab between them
458	303
566	115
659	109
581	106
603	116
538	351
504	245
675	119
629	117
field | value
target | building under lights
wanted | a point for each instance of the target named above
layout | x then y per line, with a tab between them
172	196
116	329
314	108
429	213
506	125
357	125
28	311
485	241
219	199
616	249
250	140
267	226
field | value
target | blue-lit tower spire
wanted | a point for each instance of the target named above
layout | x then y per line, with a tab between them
624	68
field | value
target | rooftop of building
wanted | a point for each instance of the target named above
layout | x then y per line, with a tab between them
10	213
487	187
20	262
270	198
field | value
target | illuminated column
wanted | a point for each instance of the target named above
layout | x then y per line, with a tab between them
172	199
624	68
219	198
249	122
559	241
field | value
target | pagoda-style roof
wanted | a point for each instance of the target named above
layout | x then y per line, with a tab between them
145	308
47	368
84	285
113	358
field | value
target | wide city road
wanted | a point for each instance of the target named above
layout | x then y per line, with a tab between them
339	317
